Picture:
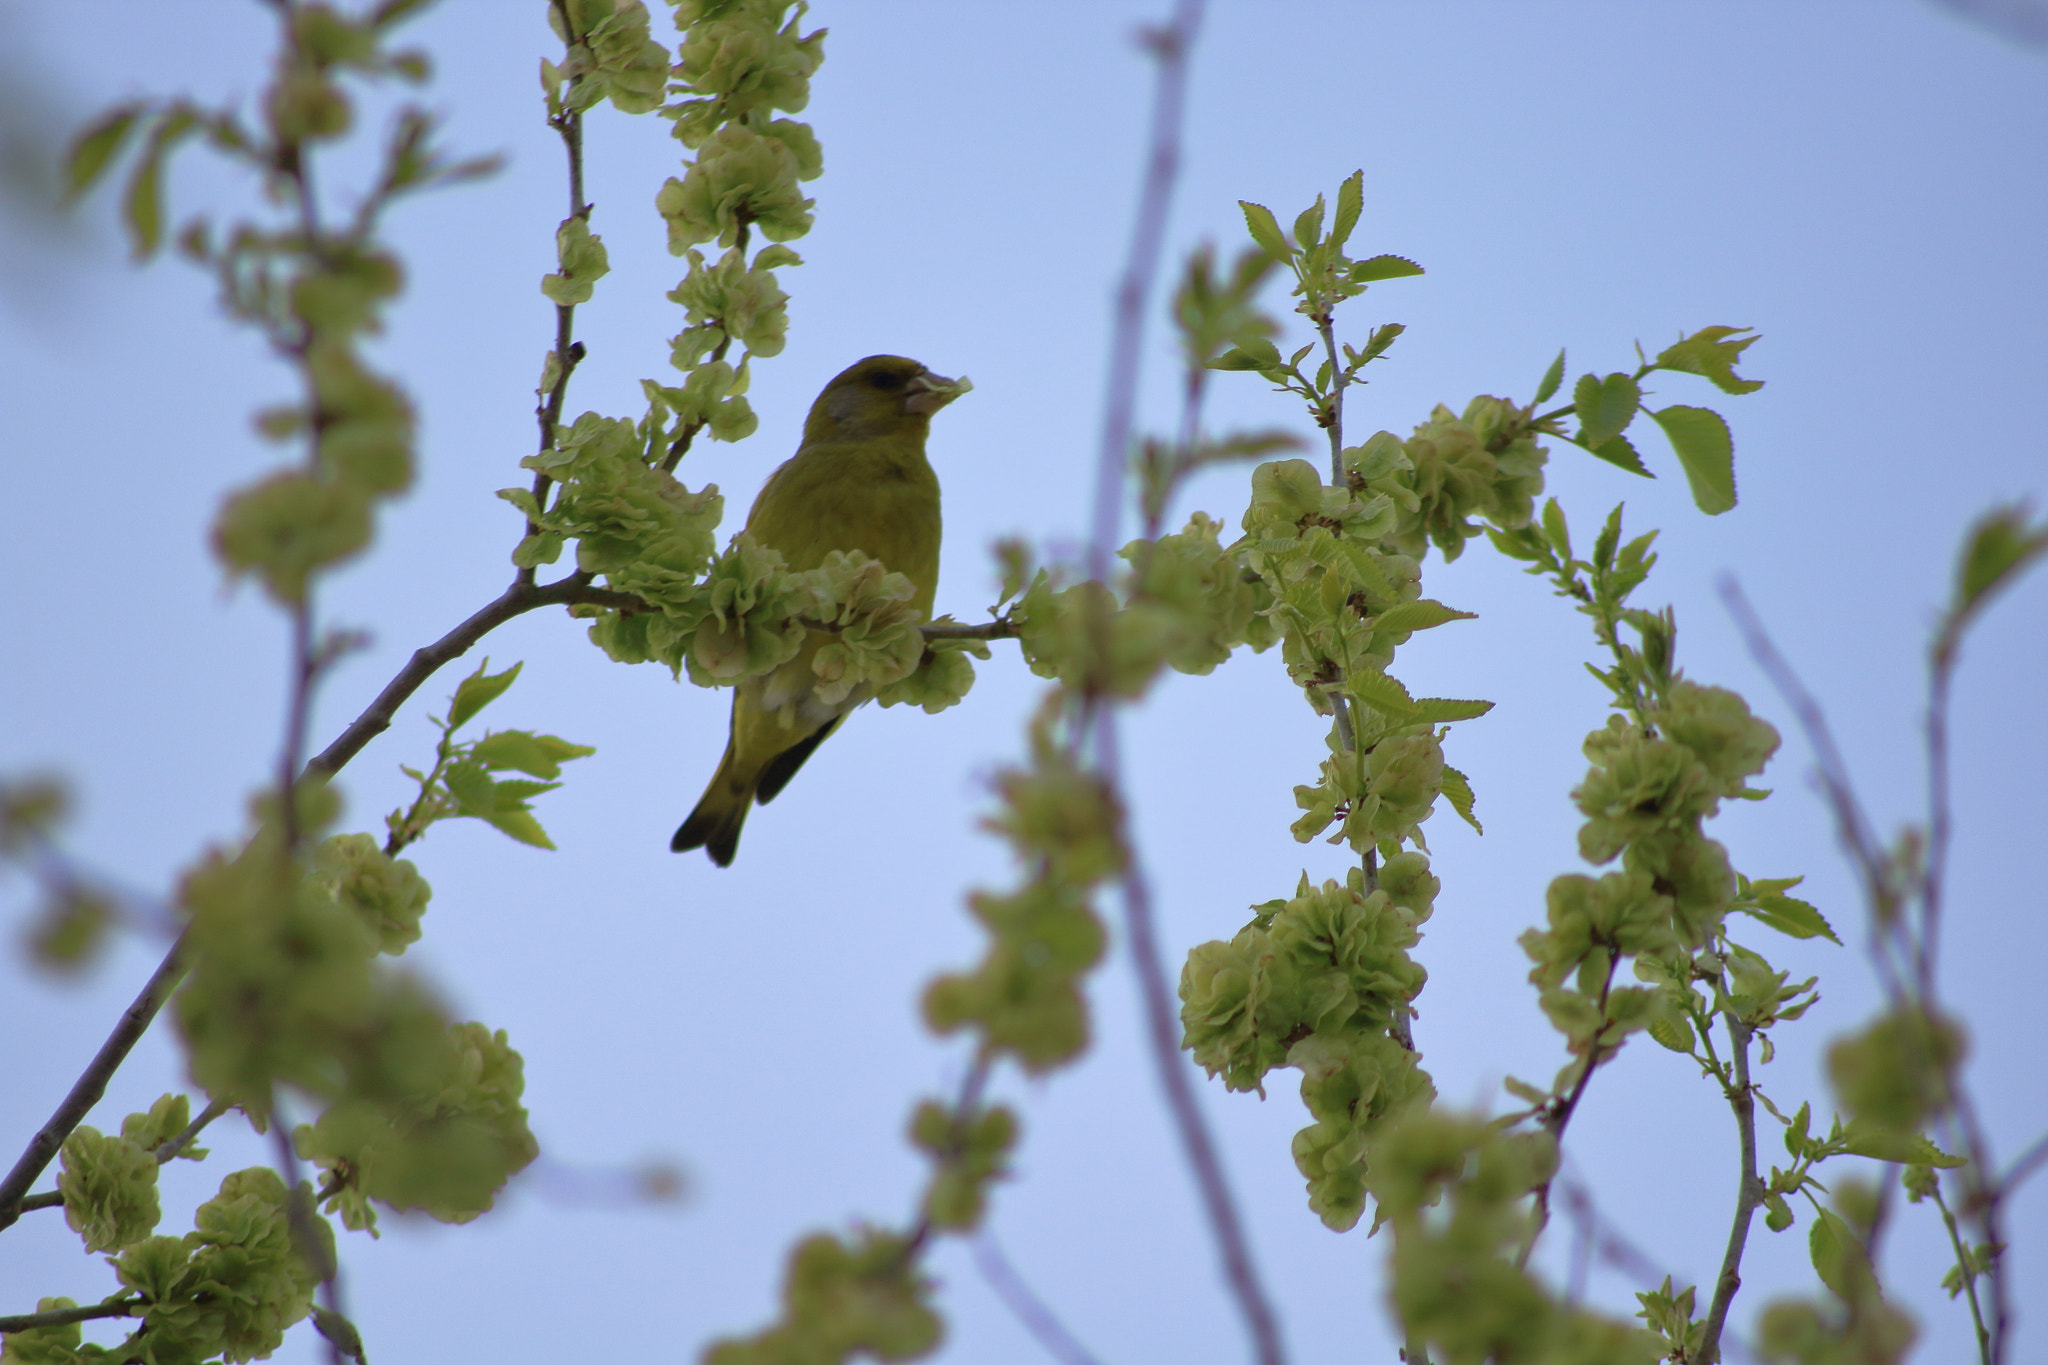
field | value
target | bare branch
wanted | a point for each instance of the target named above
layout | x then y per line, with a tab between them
1038	1319
92	1084
131	1307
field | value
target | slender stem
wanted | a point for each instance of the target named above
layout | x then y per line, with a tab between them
2024	1166
1940	813
1966	1274
516	600
305	1225
129	1307
1334	410
964	1109
1558	1119
91	1084
1748	1194
1170	46
568	351
1037	1317
1162	1032
213	1110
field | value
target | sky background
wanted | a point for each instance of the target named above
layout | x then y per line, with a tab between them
1862	182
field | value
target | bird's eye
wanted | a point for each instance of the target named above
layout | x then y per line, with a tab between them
887	379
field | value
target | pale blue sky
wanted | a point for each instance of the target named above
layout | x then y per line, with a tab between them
1860	181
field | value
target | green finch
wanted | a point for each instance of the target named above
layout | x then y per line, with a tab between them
859	481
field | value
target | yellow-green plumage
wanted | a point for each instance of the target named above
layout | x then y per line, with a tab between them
859	481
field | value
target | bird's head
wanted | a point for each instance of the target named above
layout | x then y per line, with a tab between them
882	396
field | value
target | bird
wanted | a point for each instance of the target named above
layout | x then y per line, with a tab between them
858	481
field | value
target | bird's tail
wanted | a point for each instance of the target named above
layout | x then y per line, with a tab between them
715	825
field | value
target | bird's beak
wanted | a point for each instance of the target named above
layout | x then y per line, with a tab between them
929	392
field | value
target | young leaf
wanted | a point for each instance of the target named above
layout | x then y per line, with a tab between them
1419	615
1837	1254
517	750
1790	915
2000	547
1879	1143
521	825
1382	693
1556	531
1457	789
1609	537
1617	451
95	148
1552	378
1605	408
1383	268
1712	352
1443	710
1258	219
479	690
1706	451
1350	200
1308	226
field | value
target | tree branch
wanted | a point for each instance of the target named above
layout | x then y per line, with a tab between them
1748	1194
1038	1319
1170	46
91	1085
518	599
131	1307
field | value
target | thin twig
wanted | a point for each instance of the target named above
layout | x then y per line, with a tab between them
1965	1273
91	1084
1749	1191
213	1110
1037	1317
2024	1166
1559	1118
516	600
130	1307
305	1226
1170	45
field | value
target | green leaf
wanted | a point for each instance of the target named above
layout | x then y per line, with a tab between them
1250	353
1605	407
1381	693
1790	915
2000	547
472	789
479	690
1707	452
1672	1031
1381	337
1443	710
517	750
1308	226
95	147
1350	200
1891	1144
1553	378
1712	352
142	207
1418	615
1617	451
1265	231
1457	789
1555	531
1603	544
521	826
1383	268
1836	1253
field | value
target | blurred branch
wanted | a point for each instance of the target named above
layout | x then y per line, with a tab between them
92	1084
2022	21
1170	47
1038	1319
